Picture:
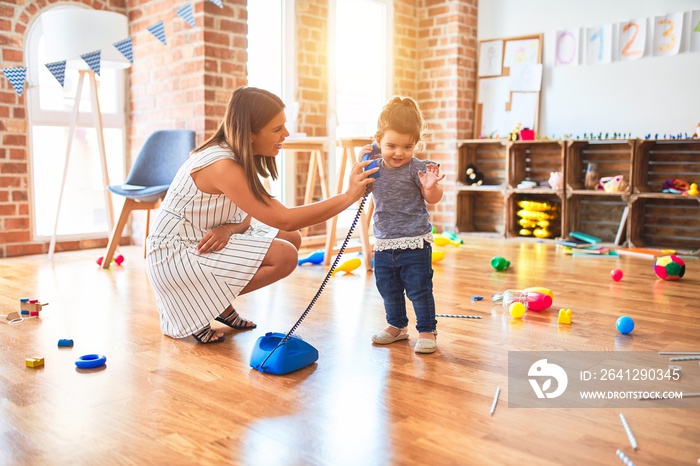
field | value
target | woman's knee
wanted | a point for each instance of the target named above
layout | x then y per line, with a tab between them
285	256
293	237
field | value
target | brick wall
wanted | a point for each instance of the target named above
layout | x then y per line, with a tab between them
312	85
188	83
15	227
447	39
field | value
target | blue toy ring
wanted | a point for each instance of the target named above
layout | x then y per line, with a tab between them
91	361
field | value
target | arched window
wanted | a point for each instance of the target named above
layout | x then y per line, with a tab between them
83	211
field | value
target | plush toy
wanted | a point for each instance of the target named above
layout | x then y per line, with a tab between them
474	177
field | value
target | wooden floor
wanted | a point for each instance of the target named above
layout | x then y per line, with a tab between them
165	401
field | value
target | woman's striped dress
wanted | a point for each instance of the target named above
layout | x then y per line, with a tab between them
192	289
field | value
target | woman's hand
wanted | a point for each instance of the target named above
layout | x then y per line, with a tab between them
360	179
218	237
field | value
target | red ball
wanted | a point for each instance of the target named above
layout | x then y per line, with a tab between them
99	260
119	259
616	274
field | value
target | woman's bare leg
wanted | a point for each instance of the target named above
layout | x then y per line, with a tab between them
293	237
281	260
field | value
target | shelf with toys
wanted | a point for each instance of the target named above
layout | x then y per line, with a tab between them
599	167
665	204
482	186
611	189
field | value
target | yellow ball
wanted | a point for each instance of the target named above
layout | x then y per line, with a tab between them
517	310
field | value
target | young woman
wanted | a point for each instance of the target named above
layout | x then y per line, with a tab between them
203	251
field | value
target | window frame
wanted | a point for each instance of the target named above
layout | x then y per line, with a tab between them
36	116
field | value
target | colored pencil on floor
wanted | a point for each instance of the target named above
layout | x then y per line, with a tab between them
633	441
495	400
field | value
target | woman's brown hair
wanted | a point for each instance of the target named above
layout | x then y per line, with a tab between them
247	112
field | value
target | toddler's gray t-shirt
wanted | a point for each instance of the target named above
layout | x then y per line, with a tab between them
400	210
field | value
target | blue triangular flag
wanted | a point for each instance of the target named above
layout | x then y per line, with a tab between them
16	77
58	70
158	30
187	13
93	60
218	3
126	47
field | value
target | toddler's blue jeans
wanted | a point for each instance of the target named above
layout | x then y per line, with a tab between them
406	270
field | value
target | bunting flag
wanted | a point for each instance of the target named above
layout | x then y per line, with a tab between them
58	70
93	60
126	48
187	13
16	77
218	3
158	30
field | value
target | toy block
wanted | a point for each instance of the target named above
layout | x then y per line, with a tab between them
564	316
34	362
31	305
65	343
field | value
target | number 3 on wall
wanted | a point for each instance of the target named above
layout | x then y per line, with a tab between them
672	39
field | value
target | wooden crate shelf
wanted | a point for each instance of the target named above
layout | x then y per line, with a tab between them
658	161
653	219
665	222
595	215
481	212
614	157
489	158
535	161
552	197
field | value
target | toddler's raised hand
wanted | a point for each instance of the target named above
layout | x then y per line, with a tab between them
430	177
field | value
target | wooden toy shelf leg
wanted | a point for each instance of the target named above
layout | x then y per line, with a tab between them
315	146
331	249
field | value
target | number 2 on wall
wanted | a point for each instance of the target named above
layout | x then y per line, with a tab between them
626	52
672	38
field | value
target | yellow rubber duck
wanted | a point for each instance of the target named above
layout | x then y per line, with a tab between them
693	191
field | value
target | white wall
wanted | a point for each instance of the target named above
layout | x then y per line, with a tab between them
645	96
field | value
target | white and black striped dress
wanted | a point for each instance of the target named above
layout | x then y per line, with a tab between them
192	289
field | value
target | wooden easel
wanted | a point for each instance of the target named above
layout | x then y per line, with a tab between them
316	146
349	159
100	145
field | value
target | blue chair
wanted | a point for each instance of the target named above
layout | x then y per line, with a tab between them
154	169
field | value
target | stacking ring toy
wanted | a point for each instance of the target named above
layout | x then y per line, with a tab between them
91	361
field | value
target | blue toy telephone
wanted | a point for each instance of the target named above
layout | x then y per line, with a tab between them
375	151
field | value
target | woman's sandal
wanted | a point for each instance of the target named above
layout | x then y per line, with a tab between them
207	335
236	322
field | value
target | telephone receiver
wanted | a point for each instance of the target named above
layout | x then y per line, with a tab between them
376	151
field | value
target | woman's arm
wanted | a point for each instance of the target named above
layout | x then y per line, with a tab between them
227	177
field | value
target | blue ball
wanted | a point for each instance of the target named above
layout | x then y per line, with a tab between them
624	324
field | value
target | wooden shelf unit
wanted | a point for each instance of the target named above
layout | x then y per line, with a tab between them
595	214
613	157
658	219
650	218
491	208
